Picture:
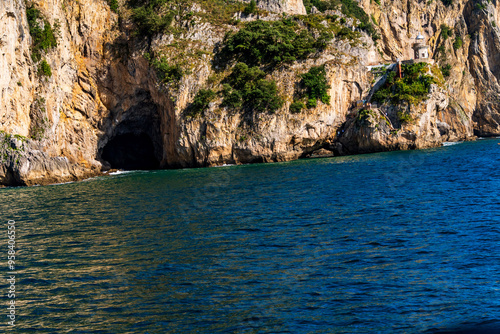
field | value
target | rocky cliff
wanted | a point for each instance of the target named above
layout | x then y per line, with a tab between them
118	84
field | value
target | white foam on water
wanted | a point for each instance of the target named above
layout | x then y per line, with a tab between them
450	143
118	172
225	165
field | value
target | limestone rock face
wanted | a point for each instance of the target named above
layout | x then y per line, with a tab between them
381	129
282	6
104	102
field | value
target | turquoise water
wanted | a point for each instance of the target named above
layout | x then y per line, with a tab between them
402	242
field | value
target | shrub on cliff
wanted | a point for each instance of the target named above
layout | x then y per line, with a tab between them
149	21
43	39
44	69
296	107
315	87
166	73
113	5
412	88
251	8
268	43
446	31
445	70
457	44
201	102
349	8
247	87
156	16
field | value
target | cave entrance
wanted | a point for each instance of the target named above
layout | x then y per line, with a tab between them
131	152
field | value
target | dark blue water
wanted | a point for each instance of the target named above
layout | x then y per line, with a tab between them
403	242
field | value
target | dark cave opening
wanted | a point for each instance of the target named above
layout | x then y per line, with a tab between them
131	152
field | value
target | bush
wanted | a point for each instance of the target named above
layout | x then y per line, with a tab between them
316	85
251	8
479	6
445	70
232	98
201	101
268	43
296	107
43	39
246	87
113	5
457	44
44	69
404	117
264	96
148	22
446	31
156	16
166	73
447	2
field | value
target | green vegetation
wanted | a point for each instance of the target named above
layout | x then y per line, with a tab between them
404	117
44	38
201	102
296	107
232	98
363	116
251	8
316	86
457	44
10	150
412	88
44	69
113	5
148	19
219	12
156	16
248	88
268	43
165	72
446	31
445	70
447	3
479	6
349	8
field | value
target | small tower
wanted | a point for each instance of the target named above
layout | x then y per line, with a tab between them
420	48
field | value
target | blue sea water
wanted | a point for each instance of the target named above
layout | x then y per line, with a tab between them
400	242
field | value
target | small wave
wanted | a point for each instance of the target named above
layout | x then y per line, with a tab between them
450	143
